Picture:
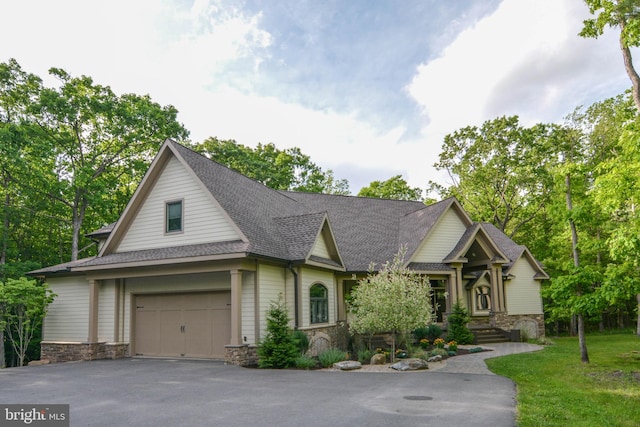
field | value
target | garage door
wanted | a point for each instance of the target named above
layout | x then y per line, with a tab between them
183	325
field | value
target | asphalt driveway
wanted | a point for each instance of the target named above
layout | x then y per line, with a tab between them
163	392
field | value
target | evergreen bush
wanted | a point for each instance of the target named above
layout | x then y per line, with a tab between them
278	349
457	325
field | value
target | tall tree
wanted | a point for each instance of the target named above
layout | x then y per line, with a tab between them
287	169
393	188
97	139
500	171
624	14
24	305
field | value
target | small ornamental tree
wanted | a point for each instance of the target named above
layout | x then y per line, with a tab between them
457	325
395	300
24	304
278	349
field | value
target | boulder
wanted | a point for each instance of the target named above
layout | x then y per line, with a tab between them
410	365
378	359
437	358
347	365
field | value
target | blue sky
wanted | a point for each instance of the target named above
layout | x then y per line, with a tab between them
366	88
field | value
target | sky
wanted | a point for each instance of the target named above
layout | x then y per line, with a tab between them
366	88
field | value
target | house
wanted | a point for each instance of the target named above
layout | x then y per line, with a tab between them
201	252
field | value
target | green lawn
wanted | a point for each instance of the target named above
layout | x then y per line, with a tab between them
556	389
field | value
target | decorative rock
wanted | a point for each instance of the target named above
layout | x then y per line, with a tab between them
378	359
435	359
347	365
410	365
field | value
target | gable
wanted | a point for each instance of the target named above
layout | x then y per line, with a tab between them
320	247
522	289
204	221
442	239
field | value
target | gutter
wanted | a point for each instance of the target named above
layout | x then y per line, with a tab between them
295	295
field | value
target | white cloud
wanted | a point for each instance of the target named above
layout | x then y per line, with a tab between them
525	59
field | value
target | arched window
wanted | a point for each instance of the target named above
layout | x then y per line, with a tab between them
482	298
319	304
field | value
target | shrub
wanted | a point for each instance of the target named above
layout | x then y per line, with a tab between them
439	352
457	322
330	356
476	350
430	332
364	356
420	354
452	346
278	350
306	362
301	341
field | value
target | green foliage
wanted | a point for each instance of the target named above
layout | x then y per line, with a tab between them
278	349
457	325
287	169
23	305
394	188
555	388
305	362
476	350
330	356
430	332
439	352
301	341
395	299
364	356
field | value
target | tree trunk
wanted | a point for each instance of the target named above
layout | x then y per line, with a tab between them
584	356
628	66
638	320
79	210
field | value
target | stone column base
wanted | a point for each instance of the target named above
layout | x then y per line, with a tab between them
241	355
57	352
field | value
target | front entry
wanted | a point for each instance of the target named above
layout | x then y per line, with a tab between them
183	325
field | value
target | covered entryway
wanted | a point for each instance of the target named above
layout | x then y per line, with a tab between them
183	325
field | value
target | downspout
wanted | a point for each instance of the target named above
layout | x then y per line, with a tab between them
295	296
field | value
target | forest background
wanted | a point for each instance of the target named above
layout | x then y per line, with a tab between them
72	155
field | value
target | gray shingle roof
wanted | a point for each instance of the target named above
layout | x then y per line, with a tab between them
284	225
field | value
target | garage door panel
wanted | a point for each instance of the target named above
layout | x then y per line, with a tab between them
171	335
189	325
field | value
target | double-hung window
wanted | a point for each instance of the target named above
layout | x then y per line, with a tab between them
319	298
174	216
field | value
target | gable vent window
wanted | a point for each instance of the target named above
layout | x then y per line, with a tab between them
174	216
319	304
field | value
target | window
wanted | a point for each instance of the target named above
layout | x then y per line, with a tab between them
483	298
318	296
174	216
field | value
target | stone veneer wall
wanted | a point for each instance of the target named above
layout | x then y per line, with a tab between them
241	355
57	352
522	322
324	337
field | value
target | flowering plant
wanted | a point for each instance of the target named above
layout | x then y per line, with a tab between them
424	343
438	342
453	346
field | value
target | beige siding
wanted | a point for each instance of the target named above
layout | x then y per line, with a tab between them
441	241
247	311
309	277
271	281
523	292
178	283
203	219
106	310
68	316
320	248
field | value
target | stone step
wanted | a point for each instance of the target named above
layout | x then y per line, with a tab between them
487	336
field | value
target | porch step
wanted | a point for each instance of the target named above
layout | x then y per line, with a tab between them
489	336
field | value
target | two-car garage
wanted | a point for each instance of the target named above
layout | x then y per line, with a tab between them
182	325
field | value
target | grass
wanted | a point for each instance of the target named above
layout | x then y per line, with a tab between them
556	389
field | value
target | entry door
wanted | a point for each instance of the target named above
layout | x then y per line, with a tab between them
183	325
